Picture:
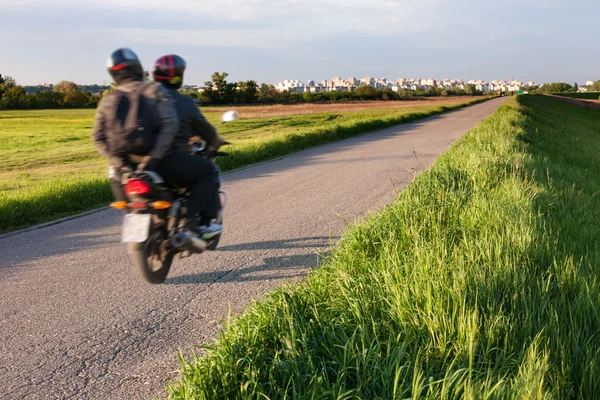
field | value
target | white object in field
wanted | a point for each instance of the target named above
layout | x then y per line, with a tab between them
231	115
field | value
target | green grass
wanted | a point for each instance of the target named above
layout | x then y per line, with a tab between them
480	281
50	169
585	95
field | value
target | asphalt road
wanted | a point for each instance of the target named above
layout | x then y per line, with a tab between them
77	321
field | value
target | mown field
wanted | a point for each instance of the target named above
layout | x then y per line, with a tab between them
50	169
480	281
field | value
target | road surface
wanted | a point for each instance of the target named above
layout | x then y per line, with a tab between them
77	321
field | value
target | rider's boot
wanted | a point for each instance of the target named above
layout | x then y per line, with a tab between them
205	231
210	231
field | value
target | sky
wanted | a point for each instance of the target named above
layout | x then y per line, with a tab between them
45	41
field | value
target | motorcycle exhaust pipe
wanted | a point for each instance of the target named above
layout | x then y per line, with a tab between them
198	245
179	240
191	242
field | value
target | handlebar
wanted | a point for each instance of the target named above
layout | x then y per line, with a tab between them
201	148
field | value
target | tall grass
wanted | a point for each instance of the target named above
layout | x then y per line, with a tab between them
480	281
50	169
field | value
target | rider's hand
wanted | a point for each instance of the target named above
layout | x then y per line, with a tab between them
147	163
218	142
121	164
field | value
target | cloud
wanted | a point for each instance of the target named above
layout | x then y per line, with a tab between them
299	16
262	39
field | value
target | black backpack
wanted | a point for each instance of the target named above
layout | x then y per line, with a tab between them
132	125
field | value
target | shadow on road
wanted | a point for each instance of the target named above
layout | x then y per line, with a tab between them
287	266
299	243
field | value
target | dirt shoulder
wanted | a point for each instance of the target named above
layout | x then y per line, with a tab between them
279	110
589	104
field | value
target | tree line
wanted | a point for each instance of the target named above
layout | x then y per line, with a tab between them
562	87
219	91
64	94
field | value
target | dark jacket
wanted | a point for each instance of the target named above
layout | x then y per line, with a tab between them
166	115
191	122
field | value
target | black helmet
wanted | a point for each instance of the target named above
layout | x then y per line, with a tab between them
124	64
168	70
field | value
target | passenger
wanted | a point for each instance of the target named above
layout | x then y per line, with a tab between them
169	70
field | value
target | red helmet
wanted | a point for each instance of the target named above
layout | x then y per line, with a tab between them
124	64
168	70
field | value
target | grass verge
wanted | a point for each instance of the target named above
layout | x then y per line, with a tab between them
480	281
49	168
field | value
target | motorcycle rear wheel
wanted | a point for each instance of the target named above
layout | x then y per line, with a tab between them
152	260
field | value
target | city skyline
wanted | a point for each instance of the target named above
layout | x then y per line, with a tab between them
107	82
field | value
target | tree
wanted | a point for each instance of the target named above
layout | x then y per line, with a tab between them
229	94
48	99
556	87
595	87
208	95
6	83
75	98
65	86
365	93
247	92
267	93
12	96
220	85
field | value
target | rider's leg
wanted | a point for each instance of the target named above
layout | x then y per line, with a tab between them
116	186
202	178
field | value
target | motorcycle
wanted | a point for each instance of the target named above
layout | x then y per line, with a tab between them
155	214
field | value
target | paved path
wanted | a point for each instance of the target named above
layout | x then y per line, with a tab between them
78	322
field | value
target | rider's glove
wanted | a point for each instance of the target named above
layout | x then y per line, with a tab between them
217	142
147	163
120	164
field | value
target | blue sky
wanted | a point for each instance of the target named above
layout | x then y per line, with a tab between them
271	40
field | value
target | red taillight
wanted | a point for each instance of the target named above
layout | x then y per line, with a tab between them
135	187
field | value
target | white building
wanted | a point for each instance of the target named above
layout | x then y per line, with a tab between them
291	85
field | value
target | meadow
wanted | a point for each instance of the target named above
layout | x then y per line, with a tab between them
50	169
480	281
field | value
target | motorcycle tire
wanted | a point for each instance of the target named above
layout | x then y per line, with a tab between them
152	263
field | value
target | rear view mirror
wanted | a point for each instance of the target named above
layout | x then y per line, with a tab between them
230	116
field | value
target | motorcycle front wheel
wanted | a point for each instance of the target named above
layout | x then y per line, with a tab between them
152	258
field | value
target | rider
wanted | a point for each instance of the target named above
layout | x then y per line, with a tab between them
126	69
168	70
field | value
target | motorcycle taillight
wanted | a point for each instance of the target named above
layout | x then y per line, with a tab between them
135	187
